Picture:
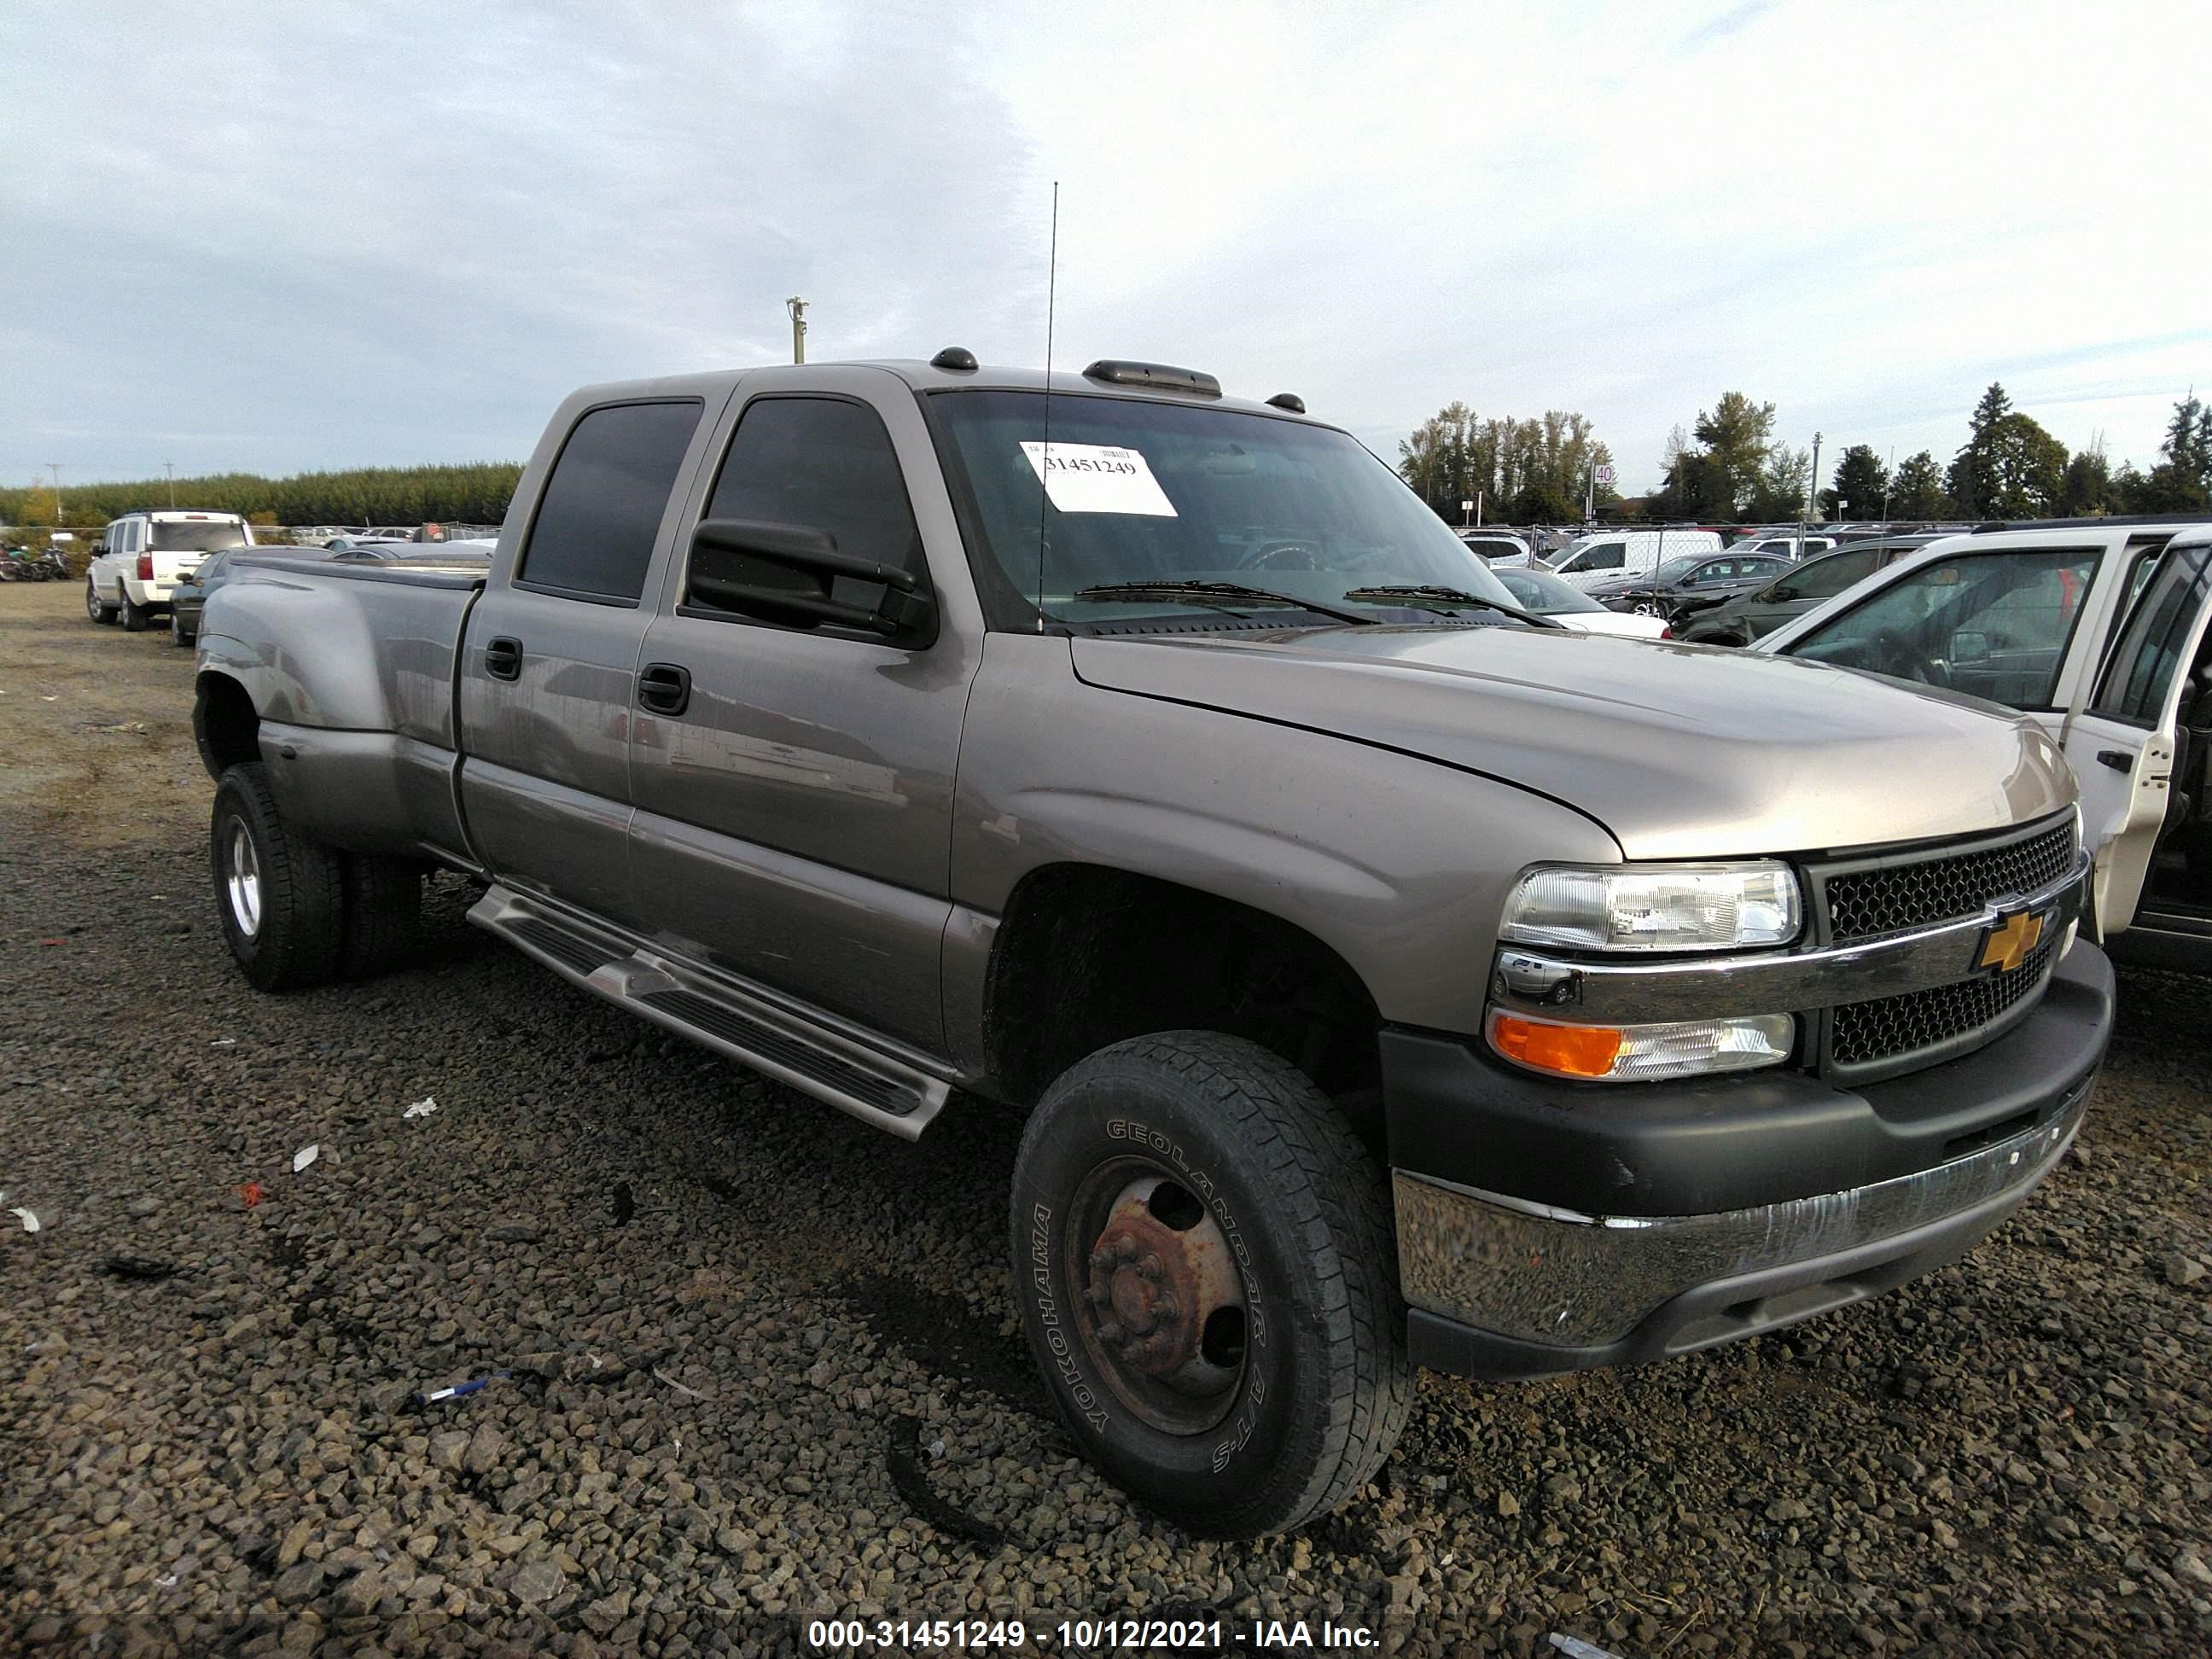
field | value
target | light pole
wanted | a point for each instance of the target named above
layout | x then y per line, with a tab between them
1812	495
56	466
797	308
171	468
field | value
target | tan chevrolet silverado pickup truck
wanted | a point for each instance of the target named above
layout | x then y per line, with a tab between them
1392	979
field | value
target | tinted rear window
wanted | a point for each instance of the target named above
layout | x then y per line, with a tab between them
196	536
602	506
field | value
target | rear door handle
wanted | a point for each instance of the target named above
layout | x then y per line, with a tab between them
664	688
503	659
2118	759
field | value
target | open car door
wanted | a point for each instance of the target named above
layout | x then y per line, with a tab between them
2124	735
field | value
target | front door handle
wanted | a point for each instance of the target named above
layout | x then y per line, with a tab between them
503	659
664	688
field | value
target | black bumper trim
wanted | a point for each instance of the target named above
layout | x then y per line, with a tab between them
1457	1115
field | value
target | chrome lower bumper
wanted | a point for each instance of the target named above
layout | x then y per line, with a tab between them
1539	1274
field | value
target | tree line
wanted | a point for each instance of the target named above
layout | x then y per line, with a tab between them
1729	465
470	493
1525	471
2010	467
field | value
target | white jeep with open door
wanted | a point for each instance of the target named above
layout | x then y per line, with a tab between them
2097	631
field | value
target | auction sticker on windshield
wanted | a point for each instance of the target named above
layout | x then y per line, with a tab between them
1099	478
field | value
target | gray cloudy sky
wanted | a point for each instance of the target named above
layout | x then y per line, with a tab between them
276	237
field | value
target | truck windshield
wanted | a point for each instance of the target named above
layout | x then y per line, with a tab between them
196	535
1166	493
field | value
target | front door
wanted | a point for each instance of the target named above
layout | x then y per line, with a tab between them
549	659
795	815
2122	744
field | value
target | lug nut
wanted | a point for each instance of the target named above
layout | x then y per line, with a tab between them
1150	1267
1100	1261
1112	1334
1164	1309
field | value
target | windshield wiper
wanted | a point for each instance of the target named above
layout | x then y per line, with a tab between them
1218	593
1451	598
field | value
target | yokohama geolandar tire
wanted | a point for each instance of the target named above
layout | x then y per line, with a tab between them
1204	1264
280	894
383	902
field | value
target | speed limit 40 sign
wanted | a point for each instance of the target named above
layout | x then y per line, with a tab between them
1604	474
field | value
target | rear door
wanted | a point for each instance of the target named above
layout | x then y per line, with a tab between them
179	543
2122	742
549	663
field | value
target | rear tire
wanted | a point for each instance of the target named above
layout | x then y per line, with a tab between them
279	893
135	616
383	902
1228	1345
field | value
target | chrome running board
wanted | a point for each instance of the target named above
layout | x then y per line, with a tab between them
876	1087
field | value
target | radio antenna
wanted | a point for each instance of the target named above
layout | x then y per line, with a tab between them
1044	469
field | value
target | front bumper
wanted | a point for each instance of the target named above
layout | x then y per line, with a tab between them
1787	1195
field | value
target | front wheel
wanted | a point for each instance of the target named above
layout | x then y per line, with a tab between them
280	893
180	636
95	607
1203	1256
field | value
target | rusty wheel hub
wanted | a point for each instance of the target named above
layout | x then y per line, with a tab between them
1166	1304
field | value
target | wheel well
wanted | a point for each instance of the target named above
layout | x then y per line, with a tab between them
224	725
1087	956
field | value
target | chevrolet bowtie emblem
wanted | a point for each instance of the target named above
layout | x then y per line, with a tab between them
2007	944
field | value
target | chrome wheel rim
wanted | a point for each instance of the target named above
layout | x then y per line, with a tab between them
242	880
91	600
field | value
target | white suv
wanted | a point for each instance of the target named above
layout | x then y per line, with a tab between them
142	557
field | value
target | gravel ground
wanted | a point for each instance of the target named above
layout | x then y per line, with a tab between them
763	1365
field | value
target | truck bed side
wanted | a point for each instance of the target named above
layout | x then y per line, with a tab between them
349	671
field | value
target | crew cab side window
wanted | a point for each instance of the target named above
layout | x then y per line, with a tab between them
600	512
823	464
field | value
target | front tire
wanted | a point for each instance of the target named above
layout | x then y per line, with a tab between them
278	892
180	636
98	609
1204	1262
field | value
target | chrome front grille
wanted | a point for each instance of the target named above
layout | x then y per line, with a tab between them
1890	1027
1897	893
1889	898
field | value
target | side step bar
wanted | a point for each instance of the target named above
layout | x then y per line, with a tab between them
873	1086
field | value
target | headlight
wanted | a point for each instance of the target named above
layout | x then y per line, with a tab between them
1684	907
1630	1054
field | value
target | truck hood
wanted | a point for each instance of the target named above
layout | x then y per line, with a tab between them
1680	751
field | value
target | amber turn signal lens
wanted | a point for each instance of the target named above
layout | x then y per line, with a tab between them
1569	1050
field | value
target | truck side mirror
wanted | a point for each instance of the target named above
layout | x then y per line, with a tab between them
1781	594
904	611
1970	647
